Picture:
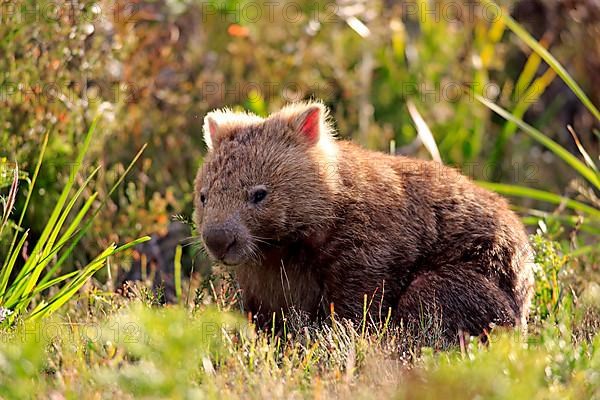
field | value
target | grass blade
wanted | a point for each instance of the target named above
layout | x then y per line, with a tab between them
67	210
177	274
526	37
541	195
531	95
556	148
10	202
41	248
29	193
88	224
9	265
55	281
69	234
588	160
424	132
48	246
67	291
528	73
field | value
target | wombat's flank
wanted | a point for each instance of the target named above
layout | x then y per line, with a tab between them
307	221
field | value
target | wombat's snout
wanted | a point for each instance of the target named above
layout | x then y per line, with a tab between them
219	242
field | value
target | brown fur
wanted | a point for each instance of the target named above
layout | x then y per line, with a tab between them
340	222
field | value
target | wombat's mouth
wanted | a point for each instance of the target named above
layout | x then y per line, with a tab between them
236	254
232	261
233	257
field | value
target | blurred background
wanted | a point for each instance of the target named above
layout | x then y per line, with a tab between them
152	69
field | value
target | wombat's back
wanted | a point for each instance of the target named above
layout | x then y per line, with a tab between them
421	218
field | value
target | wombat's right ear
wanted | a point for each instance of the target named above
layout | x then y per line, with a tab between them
210	131
308	119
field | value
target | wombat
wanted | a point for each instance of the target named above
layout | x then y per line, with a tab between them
314	224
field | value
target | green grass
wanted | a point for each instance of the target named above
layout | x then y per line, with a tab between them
106	346
586	211
538	48
41	270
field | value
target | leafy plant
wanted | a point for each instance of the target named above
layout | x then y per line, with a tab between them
18	290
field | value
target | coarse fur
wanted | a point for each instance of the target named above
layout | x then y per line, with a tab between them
334	222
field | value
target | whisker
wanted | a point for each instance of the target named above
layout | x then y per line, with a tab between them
190	238
184	245
260	237
254	254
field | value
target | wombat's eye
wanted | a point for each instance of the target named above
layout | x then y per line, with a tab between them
203	197
257	194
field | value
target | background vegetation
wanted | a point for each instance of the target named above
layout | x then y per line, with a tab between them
105	78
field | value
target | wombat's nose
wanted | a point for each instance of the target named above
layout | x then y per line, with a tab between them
219	241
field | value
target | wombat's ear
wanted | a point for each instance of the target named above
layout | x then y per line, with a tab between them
210	131
222	122
310	122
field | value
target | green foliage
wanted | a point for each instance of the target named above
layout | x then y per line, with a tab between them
589	214
159	353
549	264
511	368
19	288
22	358
173	349
545	54
49	53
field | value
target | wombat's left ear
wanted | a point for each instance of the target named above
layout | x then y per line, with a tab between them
210	131
310	122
